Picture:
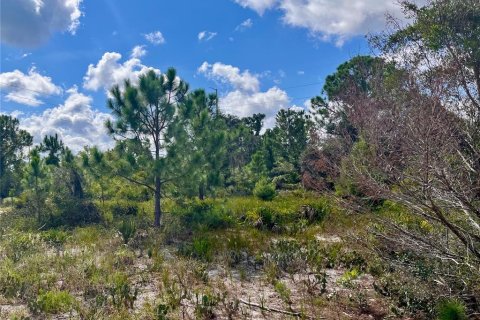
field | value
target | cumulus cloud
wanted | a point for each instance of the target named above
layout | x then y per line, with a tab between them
206	35
75	121
258	5
155	37
336	20
30	23
109	71
244	104
28	88
244	25
138	52
225	73
246	98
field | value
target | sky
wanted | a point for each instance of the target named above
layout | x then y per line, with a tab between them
59	58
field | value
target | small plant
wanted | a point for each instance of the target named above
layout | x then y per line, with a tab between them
347	278
127	230
53	302
264	190
161	311
204	306
121	292
283	292
451	310
54	237
201	248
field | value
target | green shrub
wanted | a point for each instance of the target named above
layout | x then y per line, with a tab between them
121	293
207	214
264	190
12	283
55	237
53	302
201	248
205	305
127	229
451	310
283	291
121	208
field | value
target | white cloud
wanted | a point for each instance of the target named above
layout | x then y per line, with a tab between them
225	73
155	37
27	88
300	72
336	20
244	25
30	23
246	98
206	35
109	71
258	5
138	52
243	104
75	121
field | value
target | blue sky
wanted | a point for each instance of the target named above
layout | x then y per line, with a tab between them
58	57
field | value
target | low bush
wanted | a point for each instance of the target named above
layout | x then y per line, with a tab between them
127	229
264	190
201	248
53	302
206	214
121	292
121	208
451	310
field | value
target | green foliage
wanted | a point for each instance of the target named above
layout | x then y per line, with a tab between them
201	248
347	278
54	147
12	283
283	291
12	142
207	214
53	302
451	310
204	306
127	229
146	111
121	292
55	237
264	190
122	208
161	311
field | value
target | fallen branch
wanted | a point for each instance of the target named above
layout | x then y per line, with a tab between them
290	313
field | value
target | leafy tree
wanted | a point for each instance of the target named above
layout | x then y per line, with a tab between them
255	122
352	80
144	114
291	134
13	140
34	173
200	143
94	163
54	148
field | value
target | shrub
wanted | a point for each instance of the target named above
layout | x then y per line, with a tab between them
12	283
206	214
451	310
120	208
201	248
53	302
127	229
55	237
264	190
121	292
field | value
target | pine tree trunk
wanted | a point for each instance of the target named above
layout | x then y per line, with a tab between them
158	209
